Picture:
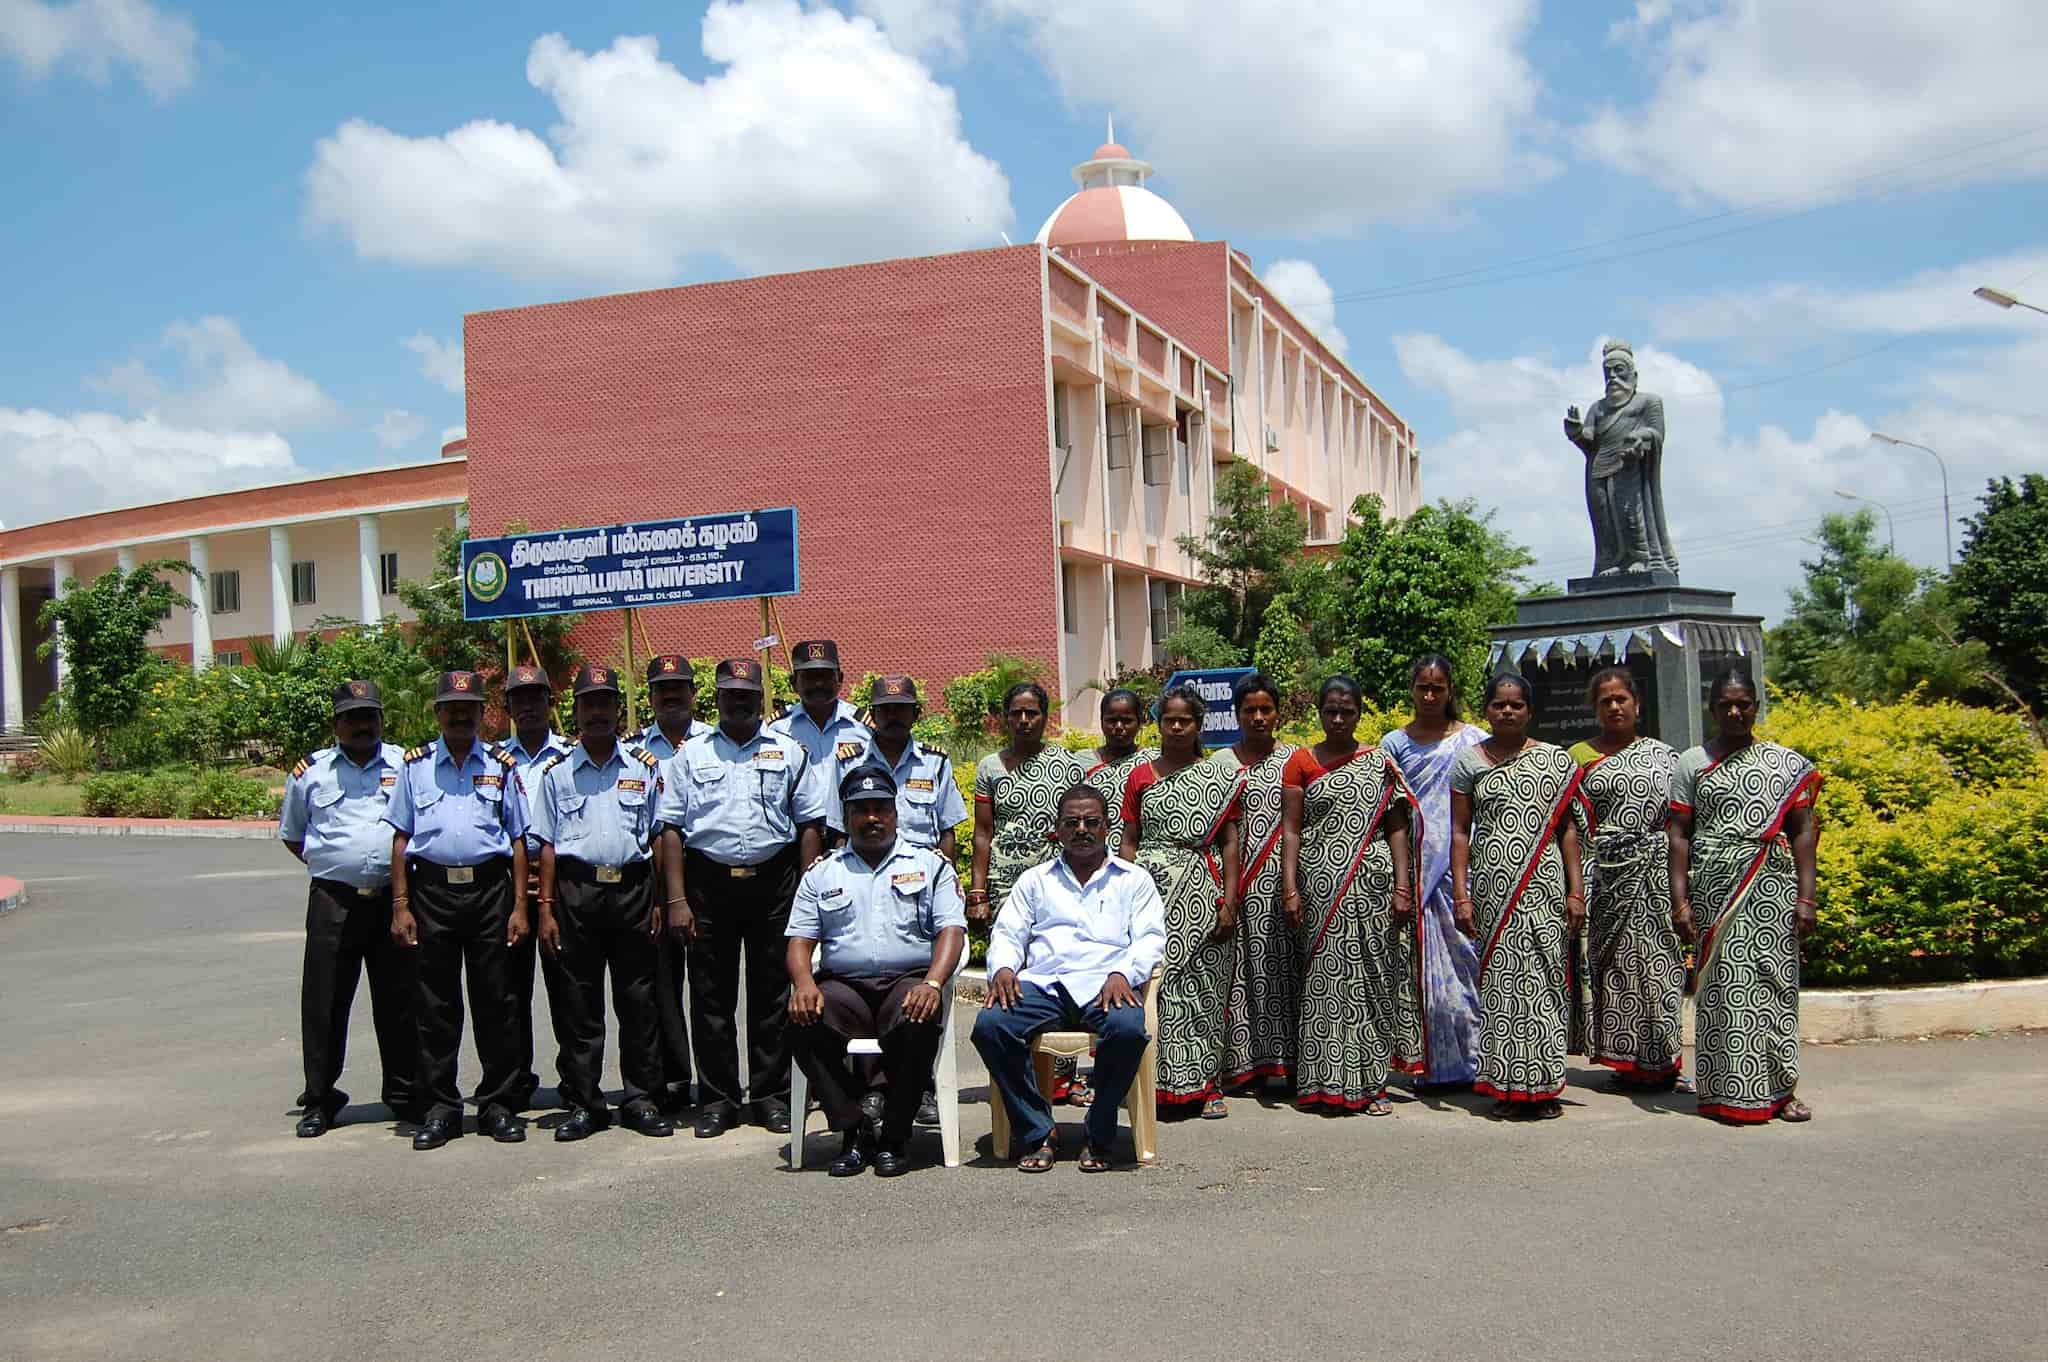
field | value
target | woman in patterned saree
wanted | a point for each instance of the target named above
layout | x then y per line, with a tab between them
1265	992
1122	715
1517	821
1016	791
1180	824
1346	889
1637	963
1443	982
1743	841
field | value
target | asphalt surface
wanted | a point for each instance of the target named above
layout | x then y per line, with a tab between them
156	1205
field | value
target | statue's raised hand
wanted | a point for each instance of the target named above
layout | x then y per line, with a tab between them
1574	427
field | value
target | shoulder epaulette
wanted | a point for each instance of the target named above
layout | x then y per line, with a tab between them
417	753
505	759
935	750
552	762
643	756
305	765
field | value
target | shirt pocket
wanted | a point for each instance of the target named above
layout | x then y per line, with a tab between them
490	805
324	796
572	808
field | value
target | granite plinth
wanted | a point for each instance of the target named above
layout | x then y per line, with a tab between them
1623	581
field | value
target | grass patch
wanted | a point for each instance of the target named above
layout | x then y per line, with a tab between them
41	795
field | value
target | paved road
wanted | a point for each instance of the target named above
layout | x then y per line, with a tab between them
157	1205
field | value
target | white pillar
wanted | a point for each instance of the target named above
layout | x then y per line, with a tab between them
280	584
202	603
124	559
62	570
11	716
369	568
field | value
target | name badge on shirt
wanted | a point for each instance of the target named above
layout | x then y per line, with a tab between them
908	879
488	782
770	754
636	786
919	784
387	780
832	894
849	750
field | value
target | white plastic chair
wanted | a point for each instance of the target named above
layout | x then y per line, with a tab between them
946	1080
1140	1103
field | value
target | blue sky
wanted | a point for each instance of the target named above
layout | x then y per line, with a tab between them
243	236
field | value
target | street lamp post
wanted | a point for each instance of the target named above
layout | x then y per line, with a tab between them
1948	523
1998	297
1891	531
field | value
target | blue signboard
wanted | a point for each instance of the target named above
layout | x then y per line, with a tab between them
624	567
1219	727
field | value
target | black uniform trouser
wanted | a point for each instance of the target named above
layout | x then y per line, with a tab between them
604	925
740	908
670	970
868	1006
526	957
346	933
462	930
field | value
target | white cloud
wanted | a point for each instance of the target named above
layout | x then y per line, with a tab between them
94	37
1271	117
56	466
222	383
1758	101
933	29
439	360
397	428
1308	296
1740	502
1935	300
815	142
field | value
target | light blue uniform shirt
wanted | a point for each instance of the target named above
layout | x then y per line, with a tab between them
928	803
739	803
336	808
834	749
876	920
529	764
457	815
656	741
597	814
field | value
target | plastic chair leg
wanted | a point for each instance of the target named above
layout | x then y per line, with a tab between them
946	1082
799	1114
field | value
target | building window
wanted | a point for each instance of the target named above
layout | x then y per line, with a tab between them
1118	444
1060	437
1318	525
227	592
387	574
231	658
302	583
1158	455
1070	606
1164	600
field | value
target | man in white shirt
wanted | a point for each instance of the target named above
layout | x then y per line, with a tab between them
1072	949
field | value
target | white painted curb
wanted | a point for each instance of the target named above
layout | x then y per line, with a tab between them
228	831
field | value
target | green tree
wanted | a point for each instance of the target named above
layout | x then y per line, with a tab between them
1251	546
1868	625
452	643
2001	582
1395	589
104	627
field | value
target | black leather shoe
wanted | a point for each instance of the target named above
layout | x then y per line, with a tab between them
673	1100
928	1110
646	1120
713	1122
435	1133
314	1123
855	1155
891	1163
871	1105
773	1116
501	1126
581	1125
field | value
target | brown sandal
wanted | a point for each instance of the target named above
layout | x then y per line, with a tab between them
1041	1159
1379	1106
1795	1111
1092	1159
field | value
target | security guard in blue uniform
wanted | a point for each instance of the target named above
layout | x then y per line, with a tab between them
741	810
593	817
333	821
530	705
458	895
829	728
889	924
929	806
672	695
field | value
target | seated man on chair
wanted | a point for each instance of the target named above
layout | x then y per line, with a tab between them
1072	949
889	924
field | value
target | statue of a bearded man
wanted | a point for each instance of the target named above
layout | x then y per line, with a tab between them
1622	438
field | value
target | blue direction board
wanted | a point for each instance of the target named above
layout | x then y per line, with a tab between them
1219	727
624	567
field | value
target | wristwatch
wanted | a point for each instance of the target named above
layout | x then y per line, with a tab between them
933	983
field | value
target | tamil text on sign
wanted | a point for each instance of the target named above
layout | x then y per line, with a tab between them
1216	684
623	567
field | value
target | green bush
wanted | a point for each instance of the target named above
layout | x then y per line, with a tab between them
108	796
177	793
222	794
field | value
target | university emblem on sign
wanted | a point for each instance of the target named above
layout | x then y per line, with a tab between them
487	576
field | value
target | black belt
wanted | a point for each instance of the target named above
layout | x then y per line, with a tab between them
628	876
343	887
696	862
482	871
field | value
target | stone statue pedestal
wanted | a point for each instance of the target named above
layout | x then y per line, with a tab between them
1676	639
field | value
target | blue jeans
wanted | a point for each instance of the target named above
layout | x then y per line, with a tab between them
1003	1036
